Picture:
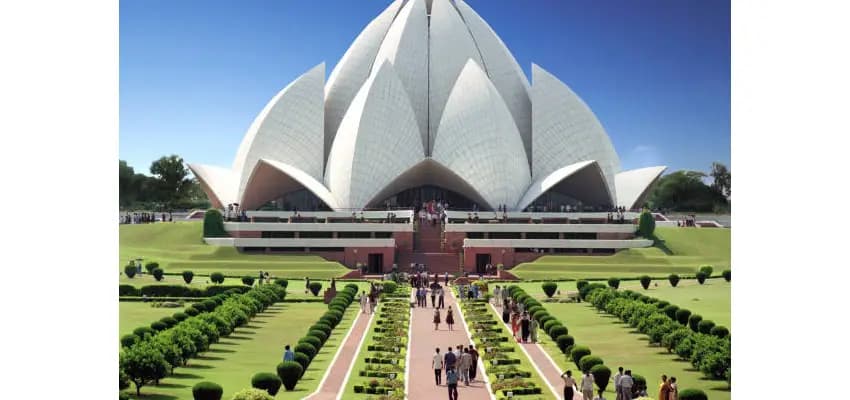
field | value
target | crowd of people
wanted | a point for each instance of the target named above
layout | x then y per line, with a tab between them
687	221
460	365
369	301
523	327
143	218
433	212
624	386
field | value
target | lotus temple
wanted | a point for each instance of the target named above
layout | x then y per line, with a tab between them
428	104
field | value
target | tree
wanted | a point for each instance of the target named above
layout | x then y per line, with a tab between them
172	181
722	179
646	224
143	364
686	191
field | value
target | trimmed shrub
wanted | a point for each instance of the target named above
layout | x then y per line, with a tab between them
214	224
580	284
319	326
640	383
565	342
128	290
289	372
130	271
549	288
248	280
614	283
142	331
701	277
692	394
727	274
578	352
646	224
601	375
671	311
128	340
707	269
302	359
168	321
187	276
693	322
151	266
192	311
558	330
719	331
307	349
269	382
315	288
682	316
252	394
282	282
207	391
316	342
645	281
674	279
158	274
550	323
159	326
661	304
539	314
390	287
585	291
587	362
705	326
321	335
544	319
217	277
180	316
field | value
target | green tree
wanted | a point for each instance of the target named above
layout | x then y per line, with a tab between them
686	191
172	180
143	364
722	179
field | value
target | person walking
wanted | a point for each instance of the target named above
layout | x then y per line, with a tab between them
674	389
434	295
441	297
524	322
373	301
569	385
451	383
306	285
587	385
617	389
463	365
473	369
497	296
438	366
364	302
533	325
664	389
450	321
515	324
626	384
449	361
288	354
436	319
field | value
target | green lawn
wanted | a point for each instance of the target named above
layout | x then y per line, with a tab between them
178	247
132	315
680	251
256	347
620	345
295	290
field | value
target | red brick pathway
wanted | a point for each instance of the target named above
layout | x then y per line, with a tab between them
333	383
424	340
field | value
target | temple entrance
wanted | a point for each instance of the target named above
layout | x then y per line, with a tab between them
414	197
481	261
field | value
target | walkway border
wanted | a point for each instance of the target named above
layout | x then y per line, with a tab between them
530	359
338	352
483	371
354	359
409	342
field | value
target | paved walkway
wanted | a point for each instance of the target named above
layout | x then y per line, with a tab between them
336	376
424	340
544	365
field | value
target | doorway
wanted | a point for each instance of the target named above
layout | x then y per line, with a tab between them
376	263
481	261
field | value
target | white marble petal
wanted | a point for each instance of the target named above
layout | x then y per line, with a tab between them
634	185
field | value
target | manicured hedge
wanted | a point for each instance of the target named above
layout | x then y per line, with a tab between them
177	290
266	381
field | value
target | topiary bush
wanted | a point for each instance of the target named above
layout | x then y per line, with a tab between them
707	269
321	335
158	274
251	394
682	316
578	352
217	277
565	342
282	282
727	275
645	281
640	383
214	224
701	277
307	349
248	280
587	362
289	373
143	331
130	271
646	224
168	321
670	311
601	376
581	283
302	359
207	391
266	381
192	311
558	330
719	331
692	394
159	326
128	340
693	322
705	326
319	326
315	288
614	283
187	276
549	288
674	279
390	287
316	342
151	266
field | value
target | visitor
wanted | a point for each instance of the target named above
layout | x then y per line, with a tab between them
449	360
438	366
497	294
569	385
515	324
524	322
674	389
473	369
664	388
506	313
306	285
288	354
617	389
433	295
450	319
451	383
533	326
364	302
436	319
626	384
441	303
464	365
587	385
260	281
474	291
446	277
373	301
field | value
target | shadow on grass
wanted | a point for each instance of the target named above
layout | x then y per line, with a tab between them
221	350
151	396
172	385
661	245
199	366
237	337
184	375
252	327
209	358
227	344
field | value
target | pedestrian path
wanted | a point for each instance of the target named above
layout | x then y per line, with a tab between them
335	378
545	366
424	341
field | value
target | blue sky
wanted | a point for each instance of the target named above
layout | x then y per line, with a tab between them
194	74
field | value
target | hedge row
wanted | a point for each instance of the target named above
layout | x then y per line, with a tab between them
150	354
386	352
177	290
706	346
290	372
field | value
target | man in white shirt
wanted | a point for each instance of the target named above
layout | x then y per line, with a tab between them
438	366
626	383
587	386
617	383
